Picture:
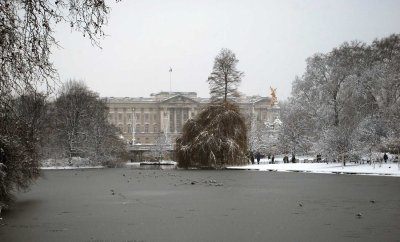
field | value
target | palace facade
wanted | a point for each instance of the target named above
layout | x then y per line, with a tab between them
142	120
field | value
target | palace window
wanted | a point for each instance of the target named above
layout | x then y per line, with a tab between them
146	128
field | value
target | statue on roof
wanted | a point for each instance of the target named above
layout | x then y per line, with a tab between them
273	96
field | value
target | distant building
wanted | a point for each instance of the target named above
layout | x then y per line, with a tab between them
141	120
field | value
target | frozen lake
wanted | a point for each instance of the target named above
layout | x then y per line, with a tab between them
173	205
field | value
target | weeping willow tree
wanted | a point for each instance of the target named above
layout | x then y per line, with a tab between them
216	138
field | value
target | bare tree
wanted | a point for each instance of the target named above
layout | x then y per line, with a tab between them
348	100
80	126
27	36
26	39
161	146
294	136
20	131
225	78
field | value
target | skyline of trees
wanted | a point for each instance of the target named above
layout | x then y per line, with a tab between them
347	99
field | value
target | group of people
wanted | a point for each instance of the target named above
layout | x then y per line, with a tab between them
257	156
253	156
286	159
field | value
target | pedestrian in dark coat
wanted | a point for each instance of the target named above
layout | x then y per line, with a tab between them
385	157
252	158
293	159
272	159
286	159
258	157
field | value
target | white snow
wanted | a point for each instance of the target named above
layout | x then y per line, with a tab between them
163	162
385	169
68	164
70	167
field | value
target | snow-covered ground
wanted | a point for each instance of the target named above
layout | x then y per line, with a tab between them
163	162
66	164
69	167
389	169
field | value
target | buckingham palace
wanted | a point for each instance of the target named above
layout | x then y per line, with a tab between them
142	119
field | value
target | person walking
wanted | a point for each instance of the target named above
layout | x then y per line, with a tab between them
252	157
258	157
272	159
286	159
293	159
385	157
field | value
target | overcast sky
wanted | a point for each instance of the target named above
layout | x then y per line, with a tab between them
271	39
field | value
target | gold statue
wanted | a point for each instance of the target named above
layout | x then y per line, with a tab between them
273	95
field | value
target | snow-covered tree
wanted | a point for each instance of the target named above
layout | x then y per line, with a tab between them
217	137
224	78
366	138
79	125
342	97
20	133
294	135
255	134
161	145
27	36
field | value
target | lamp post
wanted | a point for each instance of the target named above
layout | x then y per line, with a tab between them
170	77
166	118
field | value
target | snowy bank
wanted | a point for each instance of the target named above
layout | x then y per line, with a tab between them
157	163
390	169
163	162
68	164
70	167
